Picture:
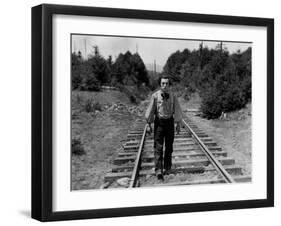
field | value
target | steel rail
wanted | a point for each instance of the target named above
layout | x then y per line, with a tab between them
133	179
210	156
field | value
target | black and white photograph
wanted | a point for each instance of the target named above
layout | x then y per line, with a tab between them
154	111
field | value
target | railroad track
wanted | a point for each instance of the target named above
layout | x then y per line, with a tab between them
197	159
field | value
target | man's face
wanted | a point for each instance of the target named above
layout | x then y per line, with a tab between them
164	84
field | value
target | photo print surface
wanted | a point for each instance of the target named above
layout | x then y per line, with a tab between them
152	111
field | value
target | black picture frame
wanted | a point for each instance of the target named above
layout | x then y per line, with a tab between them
42	106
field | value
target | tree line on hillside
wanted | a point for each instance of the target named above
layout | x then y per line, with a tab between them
90	74
223	80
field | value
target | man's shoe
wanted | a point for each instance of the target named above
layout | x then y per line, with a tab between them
160	176
167	171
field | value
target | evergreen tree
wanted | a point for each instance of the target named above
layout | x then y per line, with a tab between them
129	69
99	66
223	80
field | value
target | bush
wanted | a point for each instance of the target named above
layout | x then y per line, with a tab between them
211	106
222	97
188	91
91	105
77	147
133	99
90	83
76	80
233	99
134	93
247	88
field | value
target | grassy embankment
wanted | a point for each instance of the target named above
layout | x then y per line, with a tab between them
100	121
233	133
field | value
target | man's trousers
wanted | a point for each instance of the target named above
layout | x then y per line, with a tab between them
163	131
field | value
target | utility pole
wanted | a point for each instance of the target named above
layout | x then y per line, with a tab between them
136	48
154	67
85	48
200	52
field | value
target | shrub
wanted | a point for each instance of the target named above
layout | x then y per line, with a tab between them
233	99
211	106
133	99
77	147
247	88
90	83
76	79
188	91
222	97
132	92
91	105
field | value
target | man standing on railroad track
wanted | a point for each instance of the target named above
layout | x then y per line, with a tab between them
164	110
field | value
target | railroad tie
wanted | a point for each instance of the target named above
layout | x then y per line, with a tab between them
194	153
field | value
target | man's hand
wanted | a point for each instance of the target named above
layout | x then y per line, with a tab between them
149	129
178	127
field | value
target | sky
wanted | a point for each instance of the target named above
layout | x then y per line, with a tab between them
149	49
